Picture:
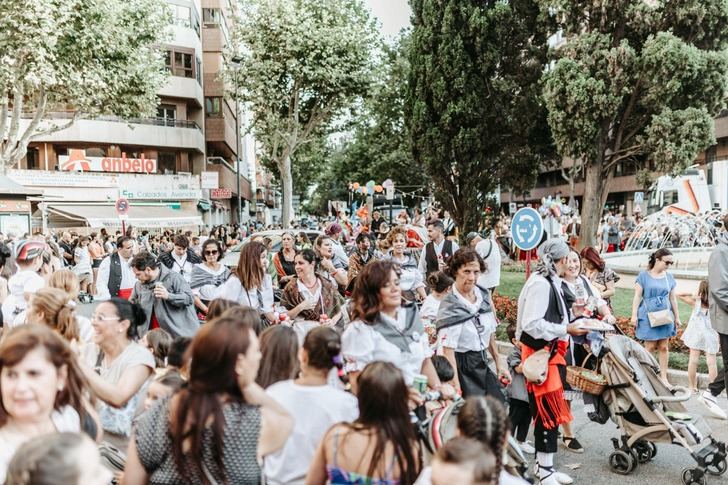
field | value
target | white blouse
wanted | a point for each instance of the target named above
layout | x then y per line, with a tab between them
467	337
410	277
233	290
362	344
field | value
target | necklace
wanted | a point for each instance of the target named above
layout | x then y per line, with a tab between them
310	287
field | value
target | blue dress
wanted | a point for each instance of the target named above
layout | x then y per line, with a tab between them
651	288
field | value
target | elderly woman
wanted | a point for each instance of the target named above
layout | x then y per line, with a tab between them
309	296
466	327
543	323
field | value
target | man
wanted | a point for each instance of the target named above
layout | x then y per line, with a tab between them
363	255
438	251
182	258
376	222
115	277
66	245
334	231
489	250
165	296
718	301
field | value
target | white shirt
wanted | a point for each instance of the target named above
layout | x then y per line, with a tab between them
466	337
585	281
102	280
83	265
533	303
340	258
410	277
181	265
233	290
314	410
429	308
491	277
20	285
438	251
361	344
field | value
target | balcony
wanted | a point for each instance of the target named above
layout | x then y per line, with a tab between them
226	173
183	87
145	132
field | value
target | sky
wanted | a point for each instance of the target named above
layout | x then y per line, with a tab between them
392	14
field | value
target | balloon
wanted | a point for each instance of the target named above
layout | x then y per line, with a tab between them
355	186
370	190
371	184
378	188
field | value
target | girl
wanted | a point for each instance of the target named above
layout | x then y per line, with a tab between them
162	387
440	283
699	336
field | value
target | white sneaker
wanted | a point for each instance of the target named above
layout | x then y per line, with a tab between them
561	478
711	403
527	448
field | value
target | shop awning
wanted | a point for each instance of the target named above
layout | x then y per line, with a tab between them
142	216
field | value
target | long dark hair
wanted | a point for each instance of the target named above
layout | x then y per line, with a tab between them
279	346
659	254
248	270
212	354
383	409
365	298
483	418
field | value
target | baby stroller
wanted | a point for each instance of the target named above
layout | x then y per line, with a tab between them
647	412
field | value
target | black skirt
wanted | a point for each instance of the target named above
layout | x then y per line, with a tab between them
476	378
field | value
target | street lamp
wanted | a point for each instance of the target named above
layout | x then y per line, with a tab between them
236	61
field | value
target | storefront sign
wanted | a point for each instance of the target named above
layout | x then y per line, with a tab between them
15	223
76	160
14	206
209	180
221	193
47	178
161	194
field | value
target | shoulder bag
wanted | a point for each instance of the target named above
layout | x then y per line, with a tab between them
658	308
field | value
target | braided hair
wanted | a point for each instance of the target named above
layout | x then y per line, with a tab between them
485	419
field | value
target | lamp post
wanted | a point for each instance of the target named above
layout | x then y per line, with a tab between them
235	61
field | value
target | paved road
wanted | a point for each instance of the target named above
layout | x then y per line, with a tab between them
664	469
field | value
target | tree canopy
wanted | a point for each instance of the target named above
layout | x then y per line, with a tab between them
88	57
473	106
635	82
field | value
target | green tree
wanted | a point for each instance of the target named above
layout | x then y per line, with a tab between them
473	105
305	63
85	57
635	82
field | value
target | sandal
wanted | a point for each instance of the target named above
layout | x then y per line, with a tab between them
573	445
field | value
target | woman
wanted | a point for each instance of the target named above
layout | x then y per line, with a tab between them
218	428
466	328
83	266
284	260
380	447
249	285
97	253
410	279
309	296
117	367
333	271
7	269
655	292
66	281
601	277
208	276
303	241
53	307
279	361
68	458
42	390
314	405
384	330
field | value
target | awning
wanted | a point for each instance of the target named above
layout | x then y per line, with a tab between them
204	205
98	216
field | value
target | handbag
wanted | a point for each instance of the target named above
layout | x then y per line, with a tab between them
536	366
656	314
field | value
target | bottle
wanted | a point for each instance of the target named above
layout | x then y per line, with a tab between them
580	294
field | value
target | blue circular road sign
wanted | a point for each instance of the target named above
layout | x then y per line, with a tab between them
527	228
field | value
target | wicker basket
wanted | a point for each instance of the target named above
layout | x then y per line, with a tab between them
578	379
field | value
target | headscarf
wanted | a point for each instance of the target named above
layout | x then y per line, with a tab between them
548	253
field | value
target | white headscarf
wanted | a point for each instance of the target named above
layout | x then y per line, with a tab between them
548	253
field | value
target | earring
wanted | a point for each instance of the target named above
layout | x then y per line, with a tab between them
60	387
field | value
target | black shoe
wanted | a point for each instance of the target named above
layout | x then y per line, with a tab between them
573	445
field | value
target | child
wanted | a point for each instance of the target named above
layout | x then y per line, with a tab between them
699	336
519	411
443	368
163	386
158	341
440	284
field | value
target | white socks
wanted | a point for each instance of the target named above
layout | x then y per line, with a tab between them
545	460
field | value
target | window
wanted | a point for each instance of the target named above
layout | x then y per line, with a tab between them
167	113
32	159
167	162
198	70
213	106
168	61
183	64
212	18
185	17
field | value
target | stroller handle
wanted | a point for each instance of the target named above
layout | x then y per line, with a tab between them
682	394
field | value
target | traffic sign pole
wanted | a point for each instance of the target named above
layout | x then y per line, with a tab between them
528	264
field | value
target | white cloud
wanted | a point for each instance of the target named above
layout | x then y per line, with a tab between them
394	15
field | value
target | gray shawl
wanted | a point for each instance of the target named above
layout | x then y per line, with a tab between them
452	311
413	329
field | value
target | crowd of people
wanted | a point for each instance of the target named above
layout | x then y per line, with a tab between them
308	364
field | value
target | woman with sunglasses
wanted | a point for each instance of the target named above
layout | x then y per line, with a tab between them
654	294
207	276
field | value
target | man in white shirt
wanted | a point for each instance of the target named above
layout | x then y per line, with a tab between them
438	251
182	258
115	276
489	250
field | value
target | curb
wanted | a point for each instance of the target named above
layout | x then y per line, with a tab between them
676	377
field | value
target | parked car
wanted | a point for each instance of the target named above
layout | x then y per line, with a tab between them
233	254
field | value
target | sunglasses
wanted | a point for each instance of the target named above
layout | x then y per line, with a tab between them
210	253
668	263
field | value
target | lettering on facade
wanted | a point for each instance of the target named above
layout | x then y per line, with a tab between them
76	160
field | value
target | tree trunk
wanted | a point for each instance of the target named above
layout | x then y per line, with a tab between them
591	211
287	185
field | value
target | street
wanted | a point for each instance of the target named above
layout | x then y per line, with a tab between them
664	469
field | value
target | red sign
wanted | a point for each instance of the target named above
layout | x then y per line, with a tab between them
76	160
221	193
121	206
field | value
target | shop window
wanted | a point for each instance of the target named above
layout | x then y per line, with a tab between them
213	106
167	162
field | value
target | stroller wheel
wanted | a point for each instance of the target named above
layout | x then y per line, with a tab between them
622	462
717	468
644	451
692	476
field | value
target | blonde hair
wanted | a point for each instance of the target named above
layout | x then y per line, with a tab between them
59	311
67	281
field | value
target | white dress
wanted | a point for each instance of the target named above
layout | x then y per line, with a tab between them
699	334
